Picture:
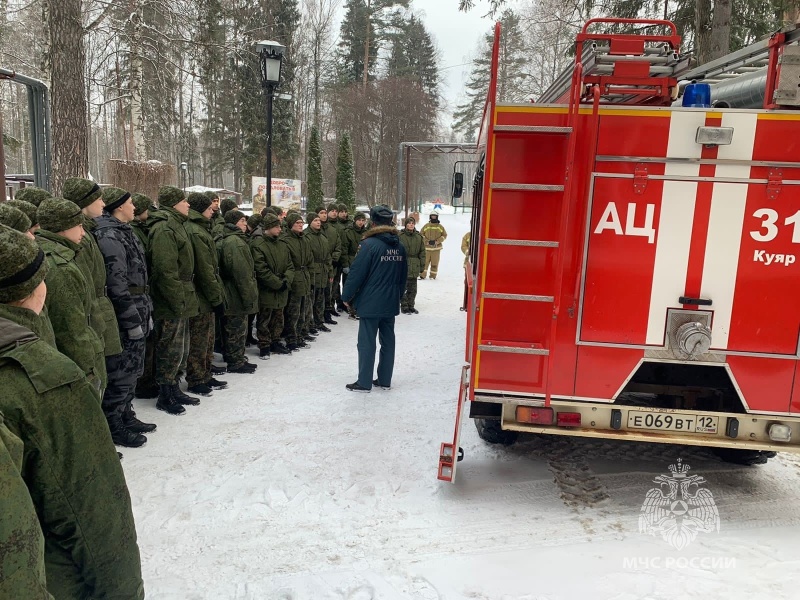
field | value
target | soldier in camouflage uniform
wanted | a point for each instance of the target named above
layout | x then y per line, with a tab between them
33	194
171	265
302	260
274	275
353	234
22	561
241	290
218	228
126	275
69	464
69	297
320	271
415	255
86	194
29	210
209	295
142	205
331	230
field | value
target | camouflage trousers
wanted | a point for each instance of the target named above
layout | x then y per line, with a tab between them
171	349
308	313
146	384
293	326
234	337
270	325
318	306
201	349
123	371
411	294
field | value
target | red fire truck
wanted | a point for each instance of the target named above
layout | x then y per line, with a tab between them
633	271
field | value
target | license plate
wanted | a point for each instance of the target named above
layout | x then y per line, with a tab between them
681	422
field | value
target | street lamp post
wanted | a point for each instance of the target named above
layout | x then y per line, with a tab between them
271	60
184	169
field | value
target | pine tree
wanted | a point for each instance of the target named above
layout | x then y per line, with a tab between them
355	26
345	175
316	198
511	77
414	55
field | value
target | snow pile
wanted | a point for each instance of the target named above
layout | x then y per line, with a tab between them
287	486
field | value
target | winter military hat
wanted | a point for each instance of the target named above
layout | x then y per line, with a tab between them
199	202
293	218
141	204
409	220
311	216
57	214
269	221
23	266
381	215
254	221
212	196
114	198
169	195
333	206
342	207
80	191
14	218
26	207
359	215
33	194
226	205
234	216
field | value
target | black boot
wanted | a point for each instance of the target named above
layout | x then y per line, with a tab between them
245	368
276	348
329	320
133	424
122	436
182	398
215	370
263	353
323	328
166	401
335	313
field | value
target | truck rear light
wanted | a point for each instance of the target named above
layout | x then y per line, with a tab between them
569	419
535	415
780	433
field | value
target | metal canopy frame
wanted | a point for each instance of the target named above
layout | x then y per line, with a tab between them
41	138
404	162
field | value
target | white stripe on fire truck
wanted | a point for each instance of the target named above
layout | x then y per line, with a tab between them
675	222
724	239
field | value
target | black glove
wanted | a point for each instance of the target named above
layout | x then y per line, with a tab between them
284	285
432	243
219	310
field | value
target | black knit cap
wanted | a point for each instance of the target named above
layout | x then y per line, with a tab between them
381	215
226	205
114	198
269	221
199	201
254	221
23	266
292	218
234	216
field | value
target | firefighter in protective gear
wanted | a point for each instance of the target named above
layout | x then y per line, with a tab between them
434	234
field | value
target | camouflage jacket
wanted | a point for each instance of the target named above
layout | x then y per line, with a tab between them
217	226
22	559
415	251
126	273
206	263
69	306
320	250
104	320
70	466
274	271
142	231
170	259
332	233
238	273
353	236
302	259
433	232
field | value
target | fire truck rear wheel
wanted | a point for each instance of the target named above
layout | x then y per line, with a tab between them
744	457
490	431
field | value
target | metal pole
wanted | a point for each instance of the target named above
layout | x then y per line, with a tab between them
2	160
270	97
408	169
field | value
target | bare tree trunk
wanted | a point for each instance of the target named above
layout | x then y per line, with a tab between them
68	93
702	36
791	15
137	73
364	75
721	29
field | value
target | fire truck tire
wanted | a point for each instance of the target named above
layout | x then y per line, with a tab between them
490	431
743	457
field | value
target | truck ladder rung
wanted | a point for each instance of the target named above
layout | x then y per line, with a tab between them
527	187
522	297
535	243
513	350
531	129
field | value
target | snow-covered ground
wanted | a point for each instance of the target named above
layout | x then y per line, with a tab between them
287	486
